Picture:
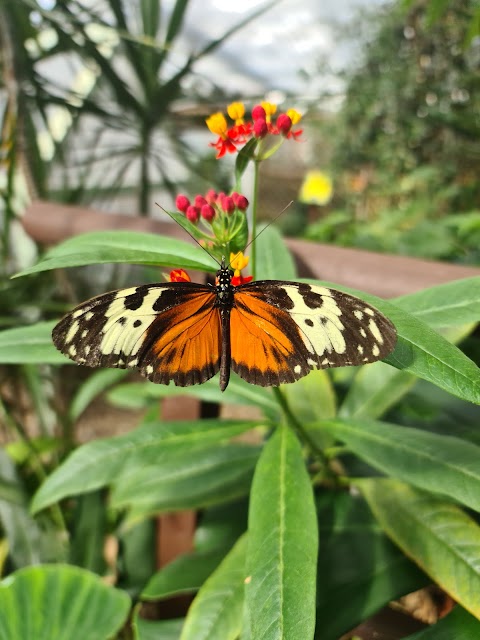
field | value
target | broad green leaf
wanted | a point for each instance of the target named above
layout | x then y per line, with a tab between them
311	398
30	345
132	247
445	305
140	394
375	389
186	479
93	386
458	625
101	462
282	544
274	260
442	539
425	353
185	574
216	612
243	158
438	463
59	602
156	630
359	569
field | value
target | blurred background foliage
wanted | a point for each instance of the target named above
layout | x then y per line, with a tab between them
102	105
405	144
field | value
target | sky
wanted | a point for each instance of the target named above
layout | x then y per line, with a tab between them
279	50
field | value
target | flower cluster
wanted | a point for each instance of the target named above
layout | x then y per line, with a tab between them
237	262
261	124
211	205
216	220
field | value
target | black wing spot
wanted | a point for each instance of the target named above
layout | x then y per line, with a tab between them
135	300
137	323
309	322
312	299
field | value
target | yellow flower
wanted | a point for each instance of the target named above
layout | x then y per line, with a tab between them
294	116
236	111
317	188
217	124
238	262
270	110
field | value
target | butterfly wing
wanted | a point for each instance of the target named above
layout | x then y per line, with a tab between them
168	331
282	330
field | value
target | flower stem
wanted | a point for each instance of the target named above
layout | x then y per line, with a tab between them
256	172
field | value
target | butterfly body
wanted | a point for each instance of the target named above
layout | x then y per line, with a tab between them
269	332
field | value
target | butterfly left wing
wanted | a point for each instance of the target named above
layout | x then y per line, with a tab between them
282	330
169	332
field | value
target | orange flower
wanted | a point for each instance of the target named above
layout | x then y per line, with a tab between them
179	275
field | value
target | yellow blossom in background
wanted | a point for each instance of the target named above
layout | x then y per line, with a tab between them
317	188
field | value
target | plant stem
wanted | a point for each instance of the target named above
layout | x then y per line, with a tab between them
256	172
298	427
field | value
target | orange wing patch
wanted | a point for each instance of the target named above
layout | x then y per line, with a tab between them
185	342
266	345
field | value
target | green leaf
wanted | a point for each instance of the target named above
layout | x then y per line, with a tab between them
185	574
186	479
30	345
243	158
216	612
425	353
282	544
102	462
375	389
458	625
352	584
59	602
90	530
445	305
274	260
93	386
311	398
131	247
140	394
156	630
441	464
438	536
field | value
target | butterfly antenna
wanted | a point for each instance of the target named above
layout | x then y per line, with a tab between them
265	227
191	235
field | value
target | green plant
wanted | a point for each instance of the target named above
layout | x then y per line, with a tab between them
296	524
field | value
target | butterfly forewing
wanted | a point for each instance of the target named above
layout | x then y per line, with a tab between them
291	328
170	332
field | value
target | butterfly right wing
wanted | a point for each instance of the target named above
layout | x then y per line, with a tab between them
169	332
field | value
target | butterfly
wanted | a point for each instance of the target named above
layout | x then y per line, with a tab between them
269	332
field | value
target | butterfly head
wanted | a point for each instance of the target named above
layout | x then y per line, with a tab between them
223	283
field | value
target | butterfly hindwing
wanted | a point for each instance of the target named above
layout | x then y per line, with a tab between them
168	331
292	327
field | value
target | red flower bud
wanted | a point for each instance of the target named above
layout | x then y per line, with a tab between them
192	214
227	204
260	128
211	196
182	202
284	124
258	112
207	212
199	201
241	202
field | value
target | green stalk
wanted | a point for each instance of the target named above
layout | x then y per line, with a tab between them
256	181
298	427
